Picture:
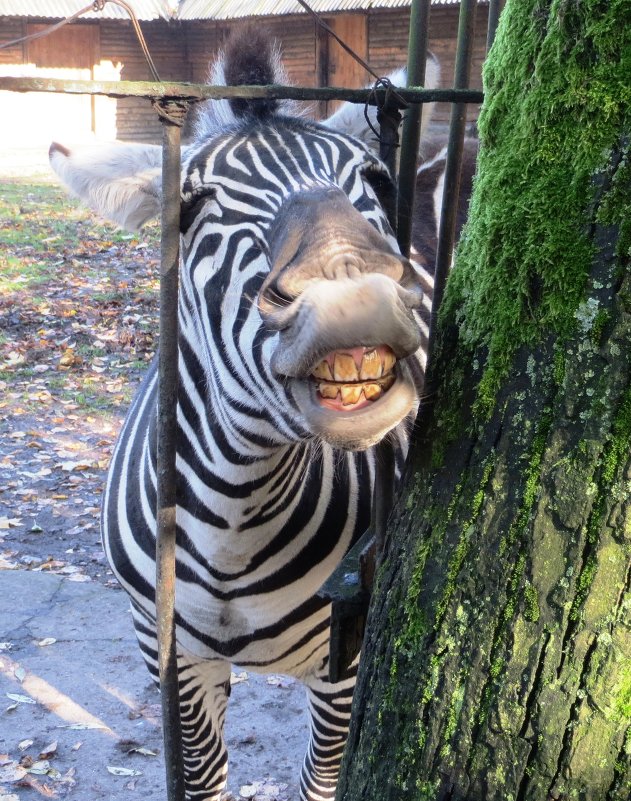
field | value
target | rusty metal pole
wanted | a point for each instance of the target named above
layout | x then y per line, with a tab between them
494	18
417	59
167	444
447	229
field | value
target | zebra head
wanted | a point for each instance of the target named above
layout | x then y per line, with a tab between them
297	309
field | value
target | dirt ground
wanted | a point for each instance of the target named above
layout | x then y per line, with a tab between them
79	717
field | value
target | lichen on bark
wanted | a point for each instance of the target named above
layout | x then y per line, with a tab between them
498	654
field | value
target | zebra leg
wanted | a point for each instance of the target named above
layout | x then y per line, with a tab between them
330	710
204	688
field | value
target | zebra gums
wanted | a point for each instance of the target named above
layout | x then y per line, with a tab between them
300	327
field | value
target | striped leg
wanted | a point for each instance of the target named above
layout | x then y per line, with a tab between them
330	709
204	689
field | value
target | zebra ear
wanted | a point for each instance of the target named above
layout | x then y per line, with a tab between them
351	119
120	181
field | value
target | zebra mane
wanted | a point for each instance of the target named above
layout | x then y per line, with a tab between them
249	57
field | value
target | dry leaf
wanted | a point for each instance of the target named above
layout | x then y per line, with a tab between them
46	641
11	772
123	771
50	751
143	751
237	678
21	699
40	768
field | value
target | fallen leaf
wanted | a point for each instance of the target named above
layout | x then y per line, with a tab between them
143	751
21	699
22	746
9	522
40	768
49	751
237	678
11	772
280	681
123	771
46	641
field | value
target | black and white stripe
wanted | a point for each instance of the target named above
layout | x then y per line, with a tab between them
267	506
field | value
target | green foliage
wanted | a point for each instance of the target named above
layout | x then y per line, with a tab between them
525	254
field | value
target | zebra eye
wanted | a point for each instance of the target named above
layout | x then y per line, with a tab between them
190	206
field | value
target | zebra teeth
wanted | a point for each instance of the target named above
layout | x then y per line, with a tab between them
371	366
387	381
372	391
351	393
389	360
344	368
328	390
323	370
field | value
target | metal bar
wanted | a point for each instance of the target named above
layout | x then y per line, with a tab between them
417	58
166	472
383	495
389	119
192	92
494	18
446	234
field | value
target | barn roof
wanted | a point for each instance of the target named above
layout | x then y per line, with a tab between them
58	9
228	9
195	9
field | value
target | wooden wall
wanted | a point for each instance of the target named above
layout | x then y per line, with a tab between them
182	51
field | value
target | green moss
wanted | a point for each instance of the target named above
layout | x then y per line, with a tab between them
614	457
522	264
462	548
618	447
455	707
531	603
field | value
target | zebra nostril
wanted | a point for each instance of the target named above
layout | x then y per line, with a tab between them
276	297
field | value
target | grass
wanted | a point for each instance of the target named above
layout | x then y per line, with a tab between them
78	303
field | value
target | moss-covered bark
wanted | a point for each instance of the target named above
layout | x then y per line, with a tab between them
497	664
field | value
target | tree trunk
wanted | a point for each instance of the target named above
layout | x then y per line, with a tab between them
497	662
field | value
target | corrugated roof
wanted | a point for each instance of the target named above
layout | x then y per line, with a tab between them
231	9
59	9
195	9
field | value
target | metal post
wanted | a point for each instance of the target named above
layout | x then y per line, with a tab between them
417	58
446	234
166	473
383	495
389	119
494	18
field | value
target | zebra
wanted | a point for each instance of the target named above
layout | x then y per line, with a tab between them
300	331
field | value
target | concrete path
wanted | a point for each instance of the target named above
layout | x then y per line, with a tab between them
80	714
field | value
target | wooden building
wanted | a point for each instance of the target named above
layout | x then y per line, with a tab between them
182	39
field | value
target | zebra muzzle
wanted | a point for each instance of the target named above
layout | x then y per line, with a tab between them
354	377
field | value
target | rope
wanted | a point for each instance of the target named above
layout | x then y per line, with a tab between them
169	110
391	95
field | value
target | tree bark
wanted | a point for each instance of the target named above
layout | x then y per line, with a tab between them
497	660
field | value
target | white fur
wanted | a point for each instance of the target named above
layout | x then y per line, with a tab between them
350	118
212	116
121	181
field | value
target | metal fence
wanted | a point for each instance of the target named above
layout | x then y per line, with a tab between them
171	100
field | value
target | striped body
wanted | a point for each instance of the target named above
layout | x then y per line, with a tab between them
300	348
